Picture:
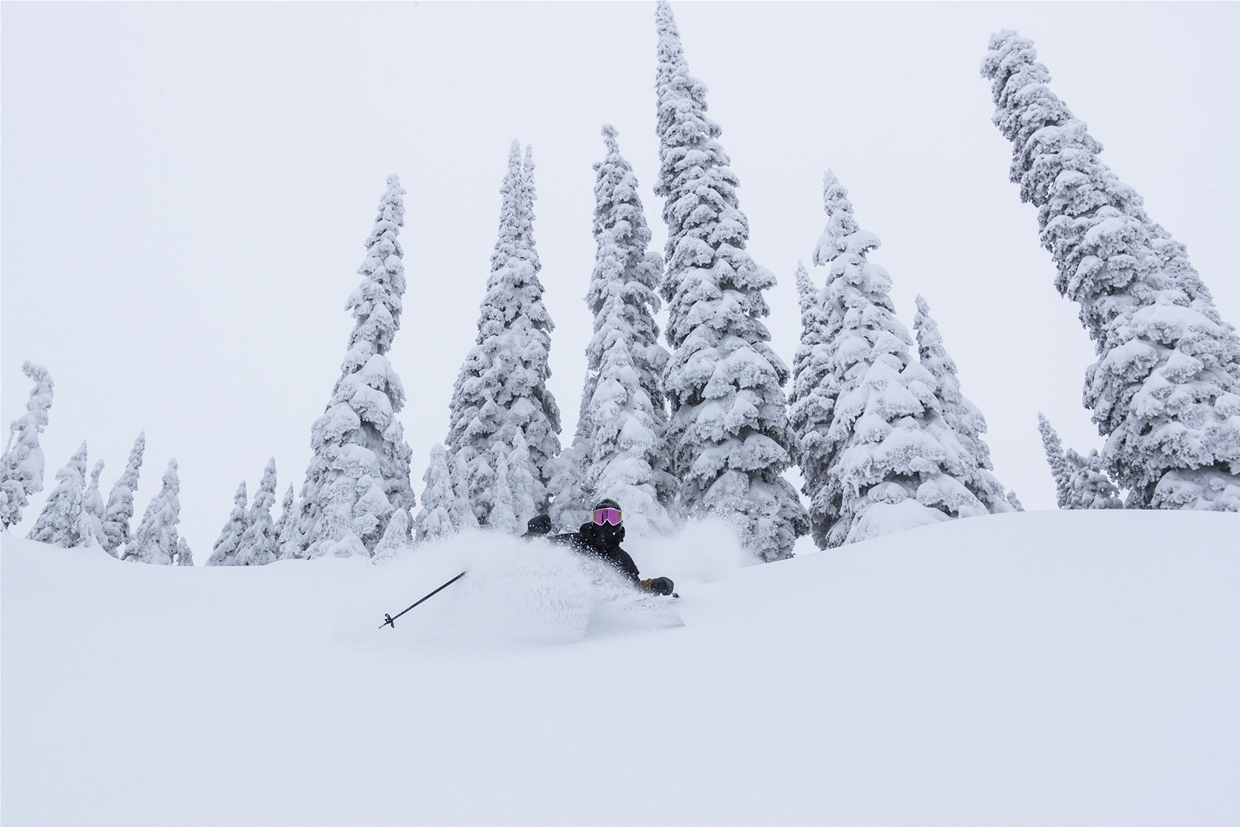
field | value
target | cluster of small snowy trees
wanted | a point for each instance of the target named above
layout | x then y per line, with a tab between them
1080	482
1165	390
75	513
250	538
887	441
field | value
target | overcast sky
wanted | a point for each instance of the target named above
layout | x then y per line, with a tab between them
186	190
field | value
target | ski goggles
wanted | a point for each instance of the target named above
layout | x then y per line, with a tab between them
607	515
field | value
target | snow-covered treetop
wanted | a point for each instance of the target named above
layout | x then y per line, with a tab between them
514	291
842	228
625	272
22	465
24	431
814	333
963	416
376	303
706	231
843	248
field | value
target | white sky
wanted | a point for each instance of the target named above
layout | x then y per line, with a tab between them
186	189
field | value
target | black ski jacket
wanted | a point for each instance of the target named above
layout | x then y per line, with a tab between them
589	539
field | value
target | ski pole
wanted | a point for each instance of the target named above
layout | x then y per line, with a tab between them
388	620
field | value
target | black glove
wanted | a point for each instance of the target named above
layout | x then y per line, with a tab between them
661	585
539	526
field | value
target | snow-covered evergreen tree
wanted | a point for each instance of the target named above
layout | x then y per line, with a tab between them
811	403
259	544
502	386
156	539
434	521
224	552
184	557
288	517
21	465
1061	472
1165	389
1089	486
445	504
119	510
570	503
891	460
521	482
619	448
503	516
359	472
728	435
63	520
92	504
961	415
395	538
1080	481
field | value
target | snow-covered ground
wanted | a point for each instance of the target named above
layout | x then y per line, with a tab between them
1037	668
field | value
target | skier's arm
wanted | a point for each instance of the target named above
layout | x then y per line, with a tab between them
625	563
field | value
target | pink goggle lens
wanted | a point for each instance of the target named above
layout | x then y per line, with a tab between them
607	515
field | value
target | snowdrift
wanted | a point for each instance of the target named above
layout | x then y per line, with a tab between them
1035	668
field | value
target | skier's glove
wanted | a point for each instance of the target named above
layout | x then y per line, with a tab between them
539	526
661	585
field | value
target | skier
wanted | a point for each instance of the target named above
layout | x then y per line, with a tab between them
601	539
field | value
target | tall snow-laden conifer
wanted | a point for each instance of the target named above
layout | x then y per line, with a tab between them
1061	472
811	402
119	510
501	391
620	432
156	539
961	415
1165	390
259	543
728	435
63	520
359	472
92	504
891	460
21	465
224	552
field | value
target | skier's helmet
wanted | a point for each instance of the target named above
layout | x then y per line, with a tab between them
607	512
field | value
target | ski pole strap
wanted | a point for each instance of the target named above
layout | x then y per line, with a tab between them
388	620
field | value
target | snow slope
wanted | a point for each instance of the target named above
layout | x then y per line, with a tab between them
1034	668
